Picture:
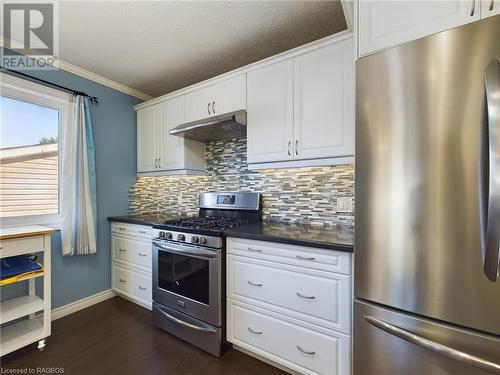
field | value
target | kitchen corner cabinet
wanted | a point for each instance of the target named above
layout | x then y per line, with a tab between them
302	109
384	24
158	152
222	97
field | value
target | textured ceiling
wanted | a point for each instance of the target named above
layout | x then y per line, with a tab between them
159	47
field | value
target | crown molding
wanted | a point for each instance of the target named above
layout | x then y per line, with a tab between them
70	68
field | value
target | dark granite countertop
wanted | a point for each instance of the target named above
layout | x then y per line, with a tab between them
145	219
333	238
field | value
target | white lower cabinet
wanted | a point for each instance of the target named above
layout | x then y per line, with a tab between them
131	247
288	306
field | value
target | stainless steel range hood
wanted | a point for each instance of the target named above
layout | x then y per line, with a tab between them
228	125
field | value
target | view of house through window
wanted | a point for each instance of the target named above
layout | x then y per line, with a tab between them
29	136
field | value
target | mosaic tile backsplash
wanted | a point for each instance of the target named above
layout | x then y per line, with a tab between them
298	195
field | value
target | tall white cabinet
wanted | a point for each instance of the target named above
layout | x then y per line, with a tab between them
301	109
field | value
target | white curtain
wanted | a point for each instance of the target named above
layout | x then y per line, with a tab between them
78	182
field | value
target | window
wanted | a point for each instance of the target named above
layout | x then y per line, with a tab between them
31	120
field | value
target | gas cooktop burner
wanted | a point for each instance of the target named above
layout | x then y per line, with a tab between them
212	223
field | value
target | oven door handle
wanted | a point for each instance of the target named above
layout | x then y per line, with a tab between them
186	324
199	252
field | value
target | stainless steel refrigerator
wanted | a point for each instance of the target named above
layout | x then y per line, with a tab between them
427	290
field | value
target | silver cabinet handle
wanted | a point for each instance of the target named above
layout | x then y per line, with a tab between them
208	108
432	345
492	2
123	281
159	162
186	324
122	228
253	284
473	8
297	147
304	296
254	250
254	332
490	180
289	145
142	287
310	352
213	107
142	254
304	258
122	250
142	231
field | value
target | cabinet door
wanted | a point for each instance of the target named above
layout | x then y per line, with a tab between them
324	102
199	104
490	8
270	113
171	114
384	24
230	95
147	139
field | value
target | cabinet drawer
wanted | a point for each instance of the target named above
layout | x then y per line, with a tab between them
135	230
22	245
299	348
132	283
320	259
137	252
324	300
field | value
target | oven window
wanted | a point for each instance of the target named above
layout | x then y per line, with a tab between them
184	275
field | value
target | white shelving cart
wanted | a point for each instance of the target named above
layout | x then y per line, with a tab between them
25	320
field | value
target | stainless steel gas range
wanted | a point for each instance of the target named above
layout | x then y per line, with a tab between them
189	268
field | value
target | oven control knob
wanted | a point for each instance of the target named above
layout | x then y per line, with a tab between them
203	240
161	234
168	235
195	239
181	237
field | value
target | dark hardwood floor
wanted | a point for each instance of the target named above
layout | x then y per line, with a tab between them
117	337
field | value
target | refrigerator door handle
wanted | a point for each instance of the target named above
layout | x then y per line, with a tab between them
433	346
490	214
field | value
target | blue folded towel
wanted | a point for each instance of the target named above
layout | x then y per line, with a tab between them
16	265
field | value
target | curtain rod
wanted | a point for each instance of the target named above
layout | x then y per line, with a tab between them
93	99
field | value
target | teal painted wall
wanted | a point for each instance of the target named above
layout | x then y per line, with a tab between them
114	124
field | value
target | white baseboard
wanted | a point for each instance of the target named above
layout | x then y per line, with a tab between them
81	304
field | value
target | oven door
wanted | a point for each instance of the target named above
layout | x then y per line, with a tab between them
187	278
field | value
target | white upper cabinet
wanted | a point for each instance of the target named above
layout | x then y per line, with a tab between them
490	8
147	139
171	114
225	96
158	152
384	24
301	110
270	113
324	102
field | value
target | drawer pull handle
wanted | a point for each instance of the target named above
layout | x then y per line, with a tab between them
122	228
142	287
310	352
304	258
303	296
123	281
142	231
123	250
253	284
254	332
142	254
255	250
